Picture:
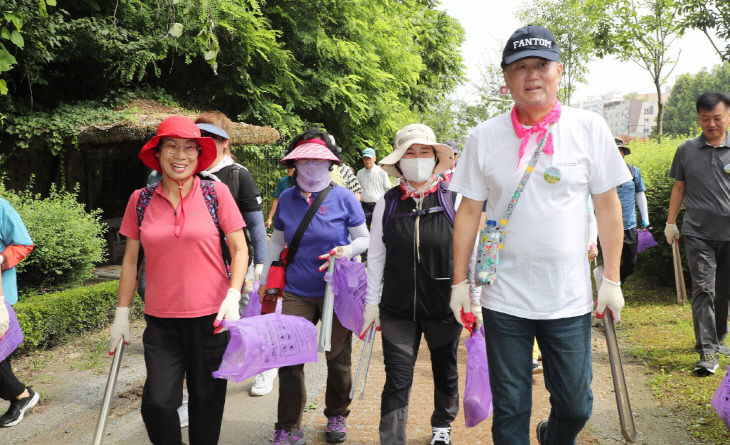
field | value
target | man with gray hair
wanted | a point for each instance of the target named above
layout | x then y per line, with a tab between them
551	158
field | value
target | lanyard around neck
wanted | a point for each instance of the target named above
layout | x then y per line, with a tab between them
525	177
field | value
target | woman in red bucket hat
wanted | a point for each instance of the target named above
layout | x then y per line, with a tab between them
188	289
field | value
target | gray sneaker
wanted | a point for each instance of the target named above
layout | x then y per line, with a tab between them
707	364
724	350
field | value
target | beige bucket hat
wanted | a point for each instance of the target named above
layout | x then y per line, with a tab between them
416	134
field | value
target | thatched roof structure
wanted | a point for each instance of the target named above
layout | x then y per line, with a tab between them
148	114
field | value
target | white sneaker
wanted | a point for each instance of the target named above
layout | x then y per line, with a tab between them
182	413
264	382
440	436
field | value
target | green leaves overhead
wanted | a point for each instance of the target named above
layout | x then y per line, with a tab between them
361	68
176	30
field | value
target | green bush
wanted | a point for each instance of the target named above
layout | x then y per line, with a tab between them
48	319
654	161
263	163
68	240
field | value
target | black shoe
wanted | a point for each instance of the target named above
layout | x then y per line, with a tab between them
17	409
707	364
541	430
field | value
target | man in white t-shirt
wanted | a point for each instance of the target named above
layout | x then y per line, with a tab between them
543	287
374	182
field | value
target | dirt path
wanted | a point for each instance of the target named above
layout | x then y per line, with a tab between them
71	380
654	424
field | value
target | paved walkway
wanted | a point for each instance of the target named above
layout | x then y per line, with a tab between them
362	424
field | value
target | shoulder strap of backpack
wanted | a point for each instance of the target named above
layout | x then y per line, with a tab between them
446	200
234	181
144	200
632	170
391	201
211	202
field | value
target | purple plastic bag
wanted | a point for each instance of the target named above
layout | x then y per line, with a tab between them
350	287
13	338
721	401
265	342
254	305
477	392
645	240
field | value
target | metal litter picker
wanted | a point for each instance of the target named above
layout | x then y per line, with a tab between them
111	381
625	415
328	307
368	345
678	274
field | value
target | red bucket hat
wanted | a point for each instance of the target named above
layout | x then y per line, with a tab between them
179	127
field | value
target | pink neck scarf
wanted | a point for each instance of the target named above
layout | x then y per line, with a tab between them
408	191
540	128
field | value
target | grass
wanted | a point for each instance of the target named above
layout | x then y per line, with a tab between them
93	356
660	335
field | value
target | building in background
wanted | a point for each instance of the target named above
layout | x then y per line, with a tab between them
630	116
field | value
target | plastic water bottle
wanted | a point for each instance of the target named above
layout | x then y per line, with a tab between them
488	253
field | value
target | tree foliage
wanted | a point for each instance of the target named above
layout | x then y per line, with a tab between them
681	111
453	118
710	17
642	31
573	22
361	68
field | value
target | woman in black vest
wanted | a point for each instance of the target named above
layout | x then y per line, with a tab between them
410	257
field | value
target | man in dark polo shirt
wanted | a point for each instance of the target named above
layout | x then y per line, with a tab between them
701	169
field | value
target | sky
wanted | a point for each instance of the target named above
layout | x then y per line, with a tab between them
488	24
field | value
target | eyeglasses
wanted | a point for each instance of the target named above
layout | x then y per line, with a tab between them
190	149
310	161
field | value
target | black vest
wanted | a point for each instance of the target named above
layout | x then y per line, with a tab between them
418	287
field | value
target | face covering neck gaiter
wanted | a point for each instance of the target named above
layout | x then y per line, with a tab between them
417	169
313	177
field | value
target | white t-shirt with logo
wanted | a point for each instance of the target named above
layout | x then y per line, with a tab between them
543	271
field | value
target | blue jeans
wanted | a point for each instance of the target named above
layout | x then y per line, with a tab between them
565	344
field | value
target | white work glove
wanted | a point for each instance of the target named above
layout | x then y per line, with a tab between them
337	252
229	309
257	270
476	309
460	300
120	329
610	294
370	316
5	317
671	232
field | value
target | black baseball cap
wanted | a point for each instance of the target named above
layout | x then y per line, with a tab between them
620	144
530	41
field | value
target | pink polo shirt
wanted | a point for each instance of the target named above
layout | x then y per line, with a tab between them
185	276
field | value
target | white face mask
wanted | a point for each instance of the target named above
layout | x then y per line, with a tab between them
417	169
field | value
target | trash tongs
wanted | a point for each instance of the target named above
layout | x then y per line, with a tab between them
369	340
625	414
108	393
